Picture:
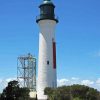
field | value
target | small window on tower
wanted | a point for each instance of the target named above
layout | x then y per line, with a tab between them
47	62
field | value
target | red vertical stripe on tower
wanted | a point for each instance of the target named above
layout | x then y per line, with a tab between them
54	55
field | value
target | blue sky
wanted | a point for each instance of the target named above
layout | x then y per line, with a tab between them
77	36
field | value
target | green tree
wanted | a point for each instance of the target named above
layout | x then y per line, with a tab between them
74	92
23	94
14	92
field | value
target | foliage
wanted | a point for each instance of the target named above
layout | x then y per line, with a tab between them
74	92
14	92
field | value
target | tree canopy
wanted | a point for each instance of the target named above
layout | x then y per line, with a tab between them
14	92
74	92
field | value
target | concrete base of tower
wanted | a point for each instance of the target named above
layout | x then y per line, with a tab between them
33	94
42	97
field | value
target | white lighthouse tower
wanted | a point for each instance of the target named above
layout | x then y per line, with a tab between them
47	49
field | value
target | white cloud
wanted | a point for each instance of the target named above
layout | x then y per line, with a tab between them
0	81
73	80
98	81
87	82
10	79
62	82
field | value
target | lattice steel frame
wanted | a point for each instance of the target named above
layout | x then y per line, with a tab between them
26	71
